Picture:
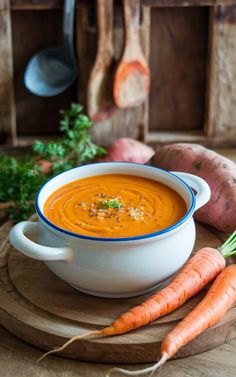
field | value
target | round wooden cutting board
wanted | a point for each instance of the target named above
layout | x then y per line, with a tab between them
45	311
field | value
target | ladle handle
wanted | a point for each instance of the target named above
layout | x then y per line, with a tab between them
68	21
131	18
105	28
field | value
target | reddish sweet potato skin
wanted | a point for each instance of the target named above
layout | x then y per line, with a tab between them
219	172
128	150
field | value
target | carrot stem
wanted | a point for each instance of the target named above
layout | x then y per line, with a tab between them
229	246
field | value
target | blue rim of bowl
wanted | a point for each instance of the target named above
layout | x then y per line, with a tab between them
119	239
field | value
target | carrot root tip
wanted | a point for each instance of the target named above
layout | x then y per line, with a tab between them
162	361
151	369
65	345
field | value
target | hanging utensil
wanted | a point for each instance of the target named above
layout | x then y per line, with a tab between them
132	79
53	70
100	87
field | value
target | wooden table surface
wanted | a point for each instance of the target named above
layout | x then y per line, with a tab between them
18	359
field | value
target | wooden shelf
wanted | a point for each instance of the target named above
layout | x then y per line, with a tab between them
36	4
186	3
161	138
56	4
25	141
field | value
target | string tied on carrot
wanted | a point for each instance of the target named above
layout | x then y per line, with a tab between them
197	273
219	298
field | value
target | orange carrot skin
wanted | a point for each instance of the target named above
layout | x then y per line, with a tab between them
200	270
219	298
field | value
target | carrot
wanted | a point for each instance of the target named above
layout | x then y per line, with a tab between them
219	298
200	270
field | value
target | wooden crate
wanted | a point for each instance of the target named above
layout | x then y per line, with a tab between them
191	47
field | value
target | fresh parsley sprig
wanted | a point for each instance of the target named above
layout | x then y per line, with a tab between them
20	179
19	182
75	147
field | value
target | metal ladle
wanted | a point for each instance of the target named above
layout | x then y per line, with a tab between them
53	70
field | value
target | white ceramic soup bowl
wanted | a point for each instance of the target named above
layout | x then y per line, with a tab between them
113	267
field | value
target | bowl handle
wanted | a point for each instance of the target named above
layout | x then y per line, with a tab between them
199	185
32	249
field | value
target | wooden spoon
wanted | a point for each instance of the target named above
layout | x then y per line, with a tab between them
132	79
100	87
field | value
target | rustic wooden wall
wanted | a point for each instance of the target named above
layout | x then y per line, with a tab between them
192	60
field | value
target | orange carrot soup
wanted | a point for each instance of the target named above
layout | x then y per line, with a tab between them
114	205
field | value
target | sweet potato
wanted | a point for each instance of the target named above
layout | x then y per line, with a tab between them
45	165
218	171
129	150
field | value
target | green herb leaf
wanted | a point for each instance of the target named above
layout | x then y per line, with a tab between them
110	203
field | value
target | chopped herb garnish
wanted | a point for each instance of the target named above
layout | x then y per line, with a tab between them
110	203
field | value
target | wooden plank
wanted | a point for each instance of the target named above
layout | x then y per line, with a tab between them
178	66
24	141
7	106
185	3
55	4
151	138
35	4
4	4
19	359
210	101
161	138
221	118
